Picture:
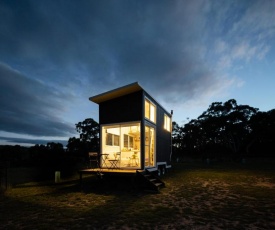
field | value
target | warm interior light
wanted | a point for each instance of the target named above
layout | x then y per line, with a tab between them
123	139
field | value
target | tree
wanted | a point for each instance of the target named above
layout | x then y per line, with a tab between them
227	124
89	130
221	129
55	148
177	140
74	145
262	134
88	140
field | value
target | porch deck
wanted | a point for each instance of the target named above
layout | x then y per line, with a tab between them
106	170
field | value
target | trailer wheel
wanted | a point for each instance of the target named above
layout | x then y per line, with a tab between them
159	171
163	171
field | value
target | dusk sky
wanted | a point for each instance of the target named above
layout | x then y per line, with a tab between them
55	54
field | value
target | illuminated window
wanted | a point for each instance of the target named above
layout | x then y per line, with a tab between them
128	141
150	110
112	139
167	123
121	142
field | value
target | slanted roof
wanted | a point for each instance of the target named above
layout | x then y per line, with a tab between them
122	91
127	89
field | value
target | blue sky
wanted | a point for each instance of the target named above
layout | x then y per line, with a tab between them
55	54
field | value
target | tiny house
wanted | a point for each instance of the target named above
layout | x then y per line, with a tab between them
135	130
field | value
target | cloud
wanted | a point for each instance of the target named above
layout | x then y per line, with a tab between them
247	35
158	45
30	142
158	41
257	21
28	106
243	51
79	49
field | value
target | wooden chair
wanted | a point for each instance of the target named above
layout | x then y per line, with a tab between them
94	160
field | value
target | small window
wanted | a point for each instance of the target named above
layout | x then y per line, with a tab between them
128	141
112	139
116	140
109	139
167	123
150	111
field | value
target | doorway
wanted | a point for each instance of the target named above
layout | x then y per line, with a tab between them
150	152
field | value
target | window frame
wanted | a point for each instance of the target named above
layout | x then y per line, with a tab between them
167	123
112	139
152	107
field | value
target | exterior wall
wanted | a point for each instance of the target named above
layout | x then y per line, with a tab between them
163	137
131	108
123	109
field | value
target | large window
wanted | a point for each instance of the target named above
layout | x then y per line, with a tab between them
167	123
121	143
150	111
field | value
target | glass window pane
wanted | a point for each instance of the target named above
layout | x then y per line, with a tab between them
109	138
123	139
147	109
150	110
152	113
167	123
116	140
131	142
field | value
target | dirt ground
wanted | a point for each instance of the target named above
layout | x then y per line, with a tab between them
194	198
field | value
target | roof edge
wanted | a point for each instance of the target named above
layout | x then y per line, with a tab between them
118	92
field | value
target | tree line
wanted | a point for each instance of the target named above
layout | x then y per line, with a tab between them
224	131
227	131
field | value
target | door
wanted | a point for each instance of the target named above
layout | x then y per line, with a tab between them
150	151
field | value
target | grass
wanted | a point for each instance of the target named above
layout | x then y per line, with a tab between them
197	196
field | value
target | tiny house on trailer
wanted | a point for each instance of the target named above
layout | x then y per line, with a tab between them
135	130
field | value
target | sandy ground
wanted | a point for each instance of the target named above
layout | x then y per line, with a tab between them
193	203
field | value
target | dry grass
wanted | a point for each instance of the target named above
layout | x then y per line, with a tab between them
196	197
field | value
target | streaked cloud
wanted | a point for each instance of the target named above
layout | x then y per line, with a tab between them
28	106
55	54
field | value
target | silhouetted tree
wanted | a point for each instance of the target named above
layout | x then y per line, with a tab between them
177	140
17	155
74	146
89	132
262	134
223	128
88	139
227	124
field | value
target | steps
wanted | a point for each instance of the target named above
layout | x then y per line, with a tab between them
150	181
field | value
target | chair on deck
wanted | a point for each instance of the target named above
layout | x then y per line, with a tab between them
115	162
95	163
133	160
94	160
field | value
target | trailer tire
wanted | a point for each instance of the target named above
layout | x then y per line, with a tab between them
159	171
163	171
